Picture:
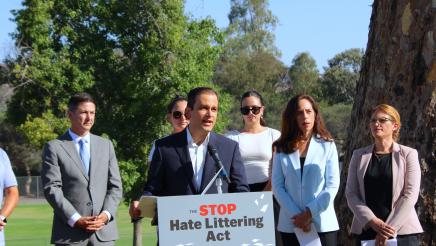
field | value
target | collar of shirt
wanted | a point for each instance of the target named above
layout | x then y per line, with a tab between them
191	142
76	138
197	153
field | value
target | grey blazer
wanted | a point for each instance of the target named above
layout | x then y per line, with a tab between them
69	190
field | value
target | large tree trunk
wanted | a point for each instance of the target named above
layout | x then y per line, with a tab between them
399	69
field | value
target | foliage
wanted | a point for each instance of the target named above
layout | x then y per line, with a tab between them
132	56
40	130
47	70
340	77
303	76
258	71
336	118
250	58
251	27
24	158
133	173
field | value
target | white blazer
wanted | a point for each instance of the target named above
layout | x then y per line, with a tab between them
316	190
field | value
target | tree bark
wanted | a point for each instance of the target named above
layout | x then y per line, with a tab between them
399	69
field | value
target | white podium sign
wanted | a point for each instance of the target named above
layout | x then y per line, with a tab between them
226	219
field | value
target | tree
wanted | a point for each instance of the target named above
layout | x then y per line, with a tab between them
250	58
259	71
251	26
340	77
399	69
303	76
337	119
133	56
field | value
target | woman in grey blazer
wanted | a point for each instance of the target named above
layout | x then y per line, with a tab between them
383	184
305	175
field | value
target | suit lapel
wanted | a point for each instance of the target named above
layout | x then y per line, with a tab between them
70	148
185	159
295	160
366	158
395	169
310	155
94	159
209	169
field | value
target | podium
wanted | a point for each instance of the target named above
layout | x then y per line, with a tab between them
216	219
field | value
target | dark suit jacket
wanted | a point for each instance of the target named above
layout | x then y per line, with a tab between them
69	190
171	172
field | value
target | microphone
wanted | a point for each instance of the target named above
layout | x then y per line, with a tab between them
219	164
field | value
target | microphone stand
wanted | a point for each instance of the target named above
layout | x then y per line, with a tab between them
218	182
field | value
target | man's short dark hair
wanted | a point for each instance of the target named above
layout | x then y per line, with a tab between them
79	98
192	94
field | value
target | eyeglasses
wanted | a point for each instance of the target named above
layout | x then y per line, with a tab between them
178	114
380	120
246	110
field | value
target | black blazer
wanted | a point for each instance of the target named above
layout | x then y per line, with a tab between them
171	174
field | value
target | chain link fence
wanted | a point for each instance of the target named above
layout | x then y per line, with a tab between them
30	187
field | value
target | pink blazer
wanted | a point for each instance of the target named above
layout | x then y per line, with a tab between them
406	179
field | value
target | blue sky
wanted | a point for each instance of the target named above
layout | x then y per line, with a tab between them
322	28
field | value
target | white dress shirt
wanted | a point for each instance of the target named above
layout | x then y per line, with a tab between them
198	157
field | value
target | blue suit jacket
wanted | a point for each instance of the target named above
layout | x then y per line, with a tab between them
316	190
171	173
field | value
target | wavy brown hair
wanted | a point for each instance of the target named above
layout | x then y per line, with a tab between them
291	133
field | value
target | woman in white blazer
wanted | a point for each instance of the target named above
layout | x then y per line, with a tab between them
305	176
383	184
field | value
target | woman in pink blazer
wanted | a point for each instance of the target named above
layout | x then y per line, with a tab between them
383	184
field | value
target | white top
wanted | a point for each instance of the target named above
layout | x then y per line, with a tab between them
256	152
198	157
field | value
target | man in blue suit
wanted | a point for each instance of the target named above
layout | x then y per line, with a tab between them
181	163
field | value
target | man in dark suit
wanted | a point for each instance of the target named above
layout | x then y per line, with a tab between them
81	180
182	165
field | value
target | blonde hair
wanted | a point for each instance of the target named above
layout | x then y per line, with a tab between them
393	113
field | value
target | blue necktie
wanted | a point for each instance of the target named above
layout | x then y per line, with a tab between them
84	155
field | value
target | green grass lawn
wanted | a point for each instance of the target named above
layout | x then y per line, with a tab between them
30	225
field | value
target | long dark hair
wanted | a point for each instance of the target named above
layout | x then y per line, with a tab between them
253	93
291	133
173	102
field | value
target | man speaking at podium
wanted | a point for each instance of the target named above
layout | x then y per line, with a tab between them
182	164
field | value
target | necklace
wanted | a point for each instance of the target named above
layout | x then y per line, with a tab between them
381	156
